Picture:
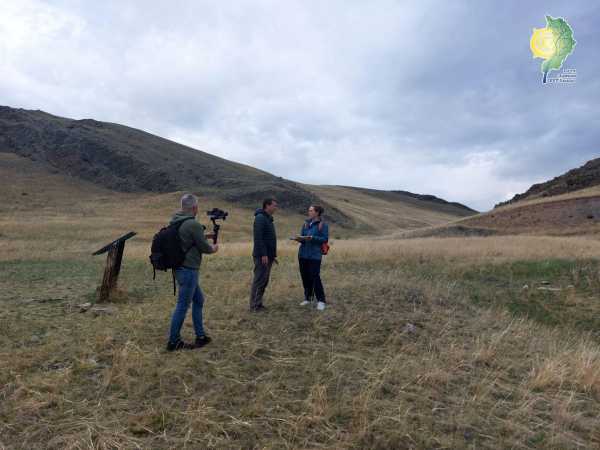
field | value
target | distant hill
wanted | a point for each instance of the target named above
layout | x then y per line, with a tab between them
129	160
583	177
125	159
420	199
388	211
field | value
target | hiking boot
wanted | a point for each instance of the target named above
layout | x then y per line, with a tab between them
179	345
201	341
321	306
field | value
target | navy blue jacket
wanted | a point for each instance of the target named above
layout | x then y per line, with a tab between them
312	249
265	239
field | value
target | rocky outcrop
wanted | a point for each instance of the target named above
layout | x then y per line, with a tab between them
125	159
581	178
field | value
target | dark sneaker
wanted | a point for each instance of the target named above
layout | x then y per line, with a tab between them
201	341
259	308
179	345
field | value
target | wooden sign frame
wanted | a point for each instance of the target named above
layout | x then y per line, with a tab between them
113	265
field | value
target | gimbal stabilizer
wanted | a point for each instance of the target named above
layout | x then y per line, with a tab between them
214	215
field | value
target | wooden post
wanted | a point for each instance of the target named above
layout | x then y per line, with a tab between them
113	265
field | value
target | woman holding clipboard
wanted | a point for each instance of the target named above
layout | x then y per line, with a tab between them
313	240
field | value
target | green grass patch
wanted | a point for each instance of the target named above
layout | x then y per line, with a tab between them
557	292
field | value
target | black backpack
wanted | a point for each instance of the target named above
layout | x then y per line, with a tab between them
166	251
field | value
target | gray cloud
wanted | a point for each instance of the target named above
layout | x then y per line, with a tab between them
429	96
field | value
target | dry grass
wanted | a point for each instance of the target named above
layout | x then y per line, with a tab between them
353	377
576	370
471	250
483	363
46	207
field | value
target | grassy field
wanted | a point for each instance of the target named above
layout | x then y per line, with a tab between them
428	343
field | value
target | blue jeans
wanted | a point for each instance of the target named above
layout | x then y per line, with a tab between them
189	290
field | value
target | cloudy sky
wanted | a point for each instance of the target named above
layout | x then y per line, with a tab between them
439	97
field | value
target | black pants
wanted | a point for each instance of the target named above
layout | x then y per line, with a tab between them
260	281
310	271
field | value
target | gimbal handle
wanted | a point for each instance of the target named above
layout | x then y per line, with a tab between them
216	228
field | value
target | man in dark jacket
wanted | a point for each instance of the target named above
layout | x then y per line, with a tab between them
264	252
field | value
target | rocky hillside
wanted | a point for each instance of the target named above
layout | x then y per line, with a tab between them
125	159
581	178
129	160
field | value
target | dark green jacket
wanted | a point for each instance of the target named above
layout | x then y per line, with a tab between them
191	234
265	239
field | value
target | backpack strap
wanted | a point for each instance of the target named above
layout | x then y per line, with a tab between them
174	284
178	226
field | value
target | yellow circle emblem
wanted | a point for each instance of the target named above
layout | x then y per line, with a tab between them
543	43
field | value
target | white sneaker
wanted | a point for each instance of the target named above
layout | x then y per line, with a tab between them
304	303
321	306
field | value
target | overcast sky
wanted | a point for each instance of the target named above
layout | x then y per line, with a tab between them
436	97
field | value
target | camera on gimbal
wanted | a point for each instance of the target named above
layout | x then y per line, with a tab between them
217	214
214	215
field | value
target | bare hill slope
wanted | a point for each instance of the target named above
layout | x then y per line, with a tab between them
123	159
129	160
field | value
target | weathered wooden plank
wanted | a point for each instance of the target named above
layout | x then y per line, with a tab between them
123	238
118	259
108	281
114	258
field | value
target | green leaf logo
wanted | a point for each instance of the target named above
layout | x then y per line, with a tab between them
552	44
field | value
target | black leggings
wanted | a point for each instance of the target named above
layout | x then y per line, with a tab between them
310	271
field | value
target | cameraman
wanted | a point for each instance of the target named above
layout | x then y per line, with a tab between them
194	244
264	252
